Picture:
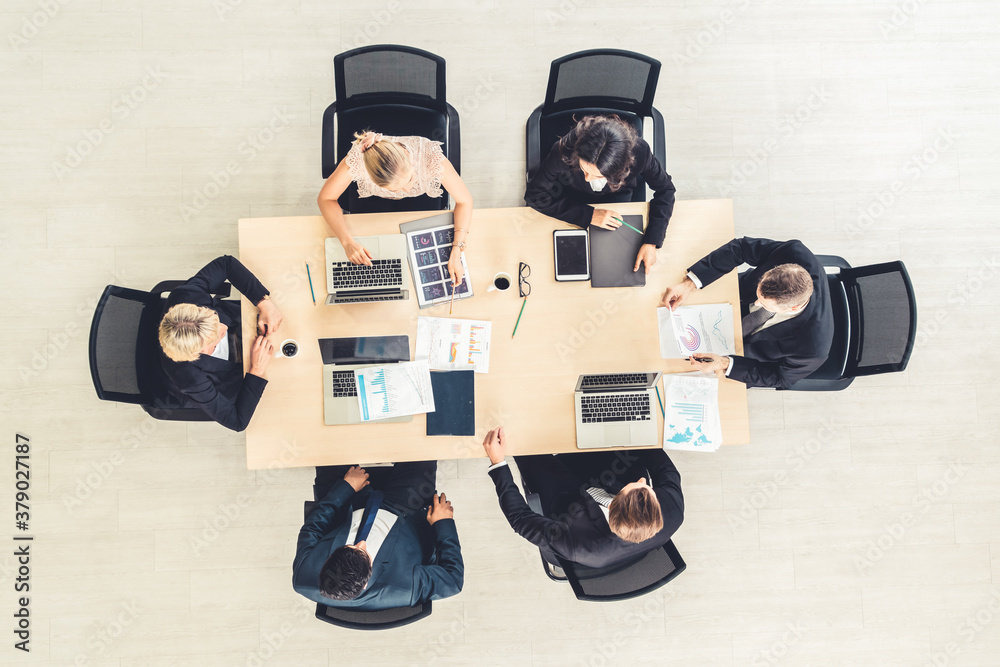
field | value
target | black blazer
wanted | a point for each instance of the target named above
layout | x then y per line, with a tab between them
583	535
784	353
216	386
561	191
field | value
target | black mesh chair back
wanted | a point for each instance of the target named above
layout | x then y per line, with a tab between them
883	318
626	580
596	82
114	336
397	91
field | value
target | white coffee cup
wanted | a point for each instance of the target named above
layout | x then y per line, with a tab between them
500	277
281	349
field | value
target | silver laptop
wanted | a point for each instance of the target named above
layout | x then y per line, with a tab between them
341	356
359	283
616	410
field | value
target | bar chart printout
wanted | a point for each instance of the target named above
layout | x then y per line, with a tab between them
394	390
454	345
691	422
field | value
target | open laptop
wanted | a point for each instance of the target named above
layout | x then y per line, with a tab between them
616	410
359	283
341	356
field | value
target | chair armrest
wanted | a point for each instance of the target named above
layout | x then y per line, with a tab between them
532	137
328	143
454	140
659	139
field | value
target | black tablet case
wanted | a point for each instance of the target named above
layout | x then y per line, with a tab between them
455	403
612	255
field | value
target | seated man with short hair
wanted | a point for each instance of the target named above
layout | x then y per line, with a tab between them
373	546
785	304
599	508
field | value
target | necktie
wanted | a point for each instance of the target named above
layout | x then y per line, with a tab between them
600	496
368	516
754	320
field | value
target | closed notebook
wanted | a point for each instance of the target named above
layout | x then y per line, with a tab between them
455	403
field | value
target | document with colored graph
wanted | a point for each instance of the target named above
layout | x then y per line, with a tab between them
394	390
454	345
691	412
687	330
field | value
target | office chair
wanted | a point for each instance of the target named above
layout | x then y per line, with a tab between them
360	619
875	314
599	81
621	581
124	351
394	90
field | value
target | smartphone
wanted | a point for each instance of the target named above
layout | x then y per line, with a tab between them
572	254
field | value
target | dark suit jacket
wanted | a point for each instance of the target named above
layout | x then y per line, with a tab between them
582	535
561	191
417	562
784	353
216	386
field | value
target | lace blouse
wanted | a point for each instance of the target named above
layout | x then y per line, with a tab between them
428	164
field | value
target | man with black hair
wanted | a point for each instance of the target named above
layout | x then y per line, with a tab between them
373	546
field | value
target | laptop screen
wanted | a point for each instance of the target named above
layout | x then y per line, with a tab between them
365	349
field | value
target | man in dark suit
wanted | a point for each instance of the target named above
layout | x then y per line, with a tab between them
201	357
599	507
374	547
785	304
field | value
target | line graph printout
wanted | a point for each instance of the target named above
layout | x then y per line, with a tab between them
454	345
691	329
691	403
394	390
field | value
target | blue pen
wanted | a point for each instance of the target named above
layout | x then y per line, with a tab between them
309	276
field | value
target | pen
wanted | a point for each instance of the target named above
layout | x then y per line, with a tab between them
451	304
664	412
311	291
626	224
523	304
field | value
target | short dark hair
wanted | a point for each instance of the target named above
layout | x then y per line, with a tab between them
635	516
787	284
607	142
345	574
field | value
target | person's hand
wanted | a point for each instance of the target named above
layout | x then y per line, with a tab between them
268	318
356	477
357	253
495	445
440	508
647	256
605	219
674	296
260	356
455	267
706	361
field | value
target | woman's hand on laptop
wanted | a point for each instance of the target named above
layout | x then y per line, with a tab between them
357	253
495	445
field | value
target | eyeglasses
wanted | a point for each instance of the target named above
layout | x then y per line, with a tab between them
523	271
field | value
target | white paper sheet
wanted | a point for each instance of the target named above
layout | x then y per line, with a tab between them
691	329
394	390
454	345
691	403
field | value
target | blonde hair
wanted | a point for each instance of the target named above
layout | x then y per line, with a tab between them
185	329
384	160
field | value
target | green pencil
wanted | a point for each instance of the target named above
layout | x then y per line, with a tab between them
309	276
523	304
660	402
626	224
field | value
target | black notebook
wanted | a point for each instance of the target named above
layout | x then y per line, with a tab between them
612	255
455	403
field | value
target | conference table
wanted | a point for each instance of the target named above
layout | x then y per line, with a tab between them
567	329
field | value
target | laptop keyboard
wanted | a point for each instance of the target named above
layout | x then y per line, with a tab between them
630	407
399	296
343	384
382	273
614	380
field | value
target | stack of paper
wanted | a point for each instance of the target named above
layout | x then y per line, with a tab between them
692	419
394	390
454	345
690	329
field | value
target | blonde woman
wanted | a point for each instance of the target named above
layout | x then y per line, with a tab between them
393	168
199	336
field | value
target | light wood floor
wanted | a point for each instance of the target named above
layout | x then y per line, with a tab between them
155	546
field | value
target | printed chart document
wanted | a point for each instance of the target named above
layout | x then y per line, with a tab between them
454	345
691	403
429	252
690	329
394	390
